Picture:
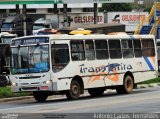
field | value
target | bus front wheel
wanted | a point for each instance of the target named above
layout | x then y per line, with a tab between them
74	91
127	86
40	96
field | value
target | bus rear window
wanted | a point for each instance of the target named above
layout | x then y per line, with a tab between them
148	47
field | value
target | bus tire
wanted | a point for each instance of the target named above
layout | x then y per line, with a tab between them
127	86
40	96
96	91
74	91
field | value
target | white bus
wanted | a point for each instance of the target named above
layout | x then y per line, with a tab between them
70	64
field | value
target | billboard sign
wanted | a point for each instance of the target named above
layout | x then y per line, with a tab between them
77	19
129	19
86	18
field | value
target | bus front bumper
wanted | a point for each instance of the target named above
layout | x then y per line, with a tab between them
31	88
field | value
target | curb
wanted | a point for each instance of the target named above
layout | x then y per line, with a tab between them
15	98
108	91
148	85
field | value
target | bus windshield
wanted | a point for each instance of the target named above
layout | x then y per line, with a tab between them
30	59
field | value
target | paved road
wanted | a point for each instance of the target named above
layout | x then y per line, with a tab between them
141	100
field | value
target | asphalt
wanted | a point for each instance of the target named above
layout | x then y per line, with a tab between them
55	96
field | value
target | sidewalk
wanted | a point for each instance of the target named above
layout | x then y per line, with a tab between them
15	98
148	85
58	96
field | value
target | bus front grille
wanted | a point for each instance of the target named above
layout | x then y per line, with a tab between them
30	77
29	88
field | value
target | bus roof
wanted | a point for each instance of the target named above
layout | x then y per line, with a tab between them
91	36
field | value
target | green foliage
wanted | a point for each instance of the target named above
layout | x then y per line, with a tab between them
5	92
155	80
116	7
124	7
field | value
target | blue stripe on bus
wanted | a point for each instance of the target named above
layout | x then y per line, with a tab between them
149	63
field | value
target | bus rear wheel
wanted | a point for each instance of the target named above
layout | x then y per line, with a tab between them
96	91
40	96
127	86
74	91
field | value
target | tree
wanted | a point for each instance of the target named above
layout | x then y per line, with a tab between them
116	7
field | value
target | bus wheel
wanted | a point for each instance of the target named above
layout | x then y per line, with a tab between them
127	86
96	91
74	91
40	96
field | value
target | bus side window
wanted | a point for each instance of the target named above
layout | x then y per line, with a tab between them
115	48
137	48
101	48
89	47
127	48
148	47
77	50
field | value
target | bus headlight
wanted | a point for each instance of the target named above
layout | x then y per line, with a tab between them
47	82
14	84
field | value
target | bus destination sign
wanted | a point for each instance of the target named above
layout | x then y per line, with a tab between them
32	40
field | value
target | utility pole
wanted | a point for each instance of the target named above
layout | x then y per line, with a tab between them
155	18
65	15
95	13
17	9
24	20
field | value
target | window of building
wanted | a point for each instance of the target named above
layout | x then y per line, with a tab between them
12	10
31	10
77	50
51	10
115	49
68	10
89	47
87	9
2	10
148	47
101	48
127	48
